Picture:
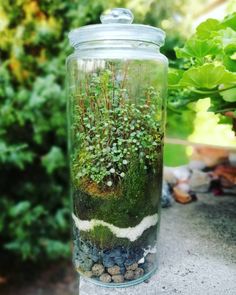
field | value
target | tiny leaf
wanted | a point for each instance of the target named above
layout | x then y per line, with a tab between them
19	208
53	160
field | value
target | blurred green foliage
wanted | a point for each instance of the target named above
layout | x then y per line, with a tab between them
209	67
35	204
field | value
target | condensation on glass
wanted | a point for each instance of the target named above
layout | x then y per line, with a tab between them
116	116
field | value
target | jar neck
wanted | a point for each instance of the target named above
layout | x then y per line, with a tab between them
118	44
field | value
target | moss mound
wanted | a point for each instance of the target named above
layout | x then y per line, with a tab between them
140	197
103	238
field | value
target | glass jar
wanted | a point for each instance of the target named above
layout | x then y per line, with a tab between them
116	115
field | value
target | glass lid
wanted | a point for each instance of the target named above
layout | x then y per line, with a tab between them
117	25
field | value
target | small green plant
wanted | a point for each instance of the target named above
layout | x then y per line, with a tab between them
110	131
103	238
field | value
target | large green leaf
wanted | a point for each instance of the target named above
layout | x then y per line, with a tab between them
230	21
225	37
231	50
229	63
205	29
198	48
207	76
229	57
229	95
174	76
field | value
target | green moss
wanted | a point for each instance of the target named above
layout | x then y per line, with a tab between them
134	184
140	197
103	238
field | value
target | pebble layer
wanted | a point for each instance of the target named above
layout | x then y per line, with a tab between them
115	265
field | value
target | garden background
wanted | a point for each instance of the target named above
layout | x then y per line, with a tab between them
34	198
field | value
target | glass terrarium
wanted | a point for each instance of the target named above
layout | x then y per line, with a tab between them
116	115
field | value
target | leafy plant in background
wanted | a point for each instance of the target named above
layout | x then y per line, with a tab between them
208	69
34	201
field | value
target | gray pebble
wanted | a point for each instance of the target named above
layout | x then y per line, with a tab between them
132	266
86	264
151	258
139	272
114	270
105	278
88	274
129	275
85	248
118	278
98	269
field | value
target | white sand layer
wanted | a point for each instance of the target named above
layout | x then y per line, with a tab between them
131	233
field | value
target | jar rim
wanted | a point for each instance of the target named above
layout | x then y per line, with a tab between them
117	31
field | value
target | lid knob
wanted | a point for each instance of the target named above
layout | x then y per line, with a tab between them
117	15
